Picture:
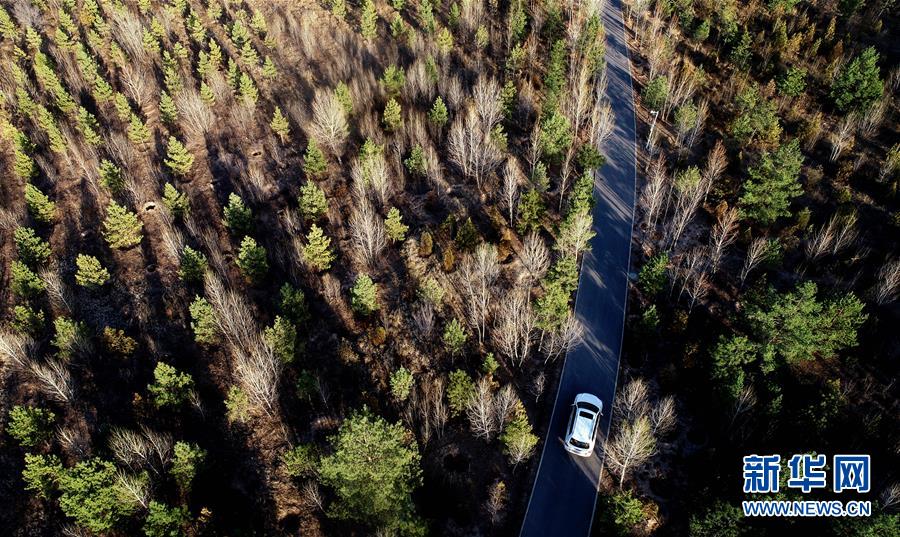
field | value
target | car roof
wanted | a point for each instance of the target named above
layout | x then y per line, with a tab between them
583	427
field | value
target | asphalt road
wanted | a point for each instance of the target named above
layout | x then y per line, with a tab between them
565	489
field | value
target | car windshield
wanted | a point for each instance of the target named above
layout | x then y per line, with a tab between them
588	406
579	443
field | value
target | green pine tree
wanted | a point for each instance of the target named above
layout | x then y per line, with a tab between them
314	163
364	295
252	260
178	159
121	227
312	202
393	116
317	251
394	225
368	24
280	125
90	272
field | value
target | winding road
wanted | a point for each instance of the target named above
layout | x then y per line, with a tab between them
565	489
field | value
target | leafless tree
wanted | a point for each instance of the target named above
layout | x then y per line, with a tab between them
367	230
423	319
702	113
723	235
312	495
602	122
57	290
134	488
145	450
663	416
688	197
470	145
480	410
756	254
575	234
631	447
872	119
632	401
74	441
842	137
837	234
538	385
716	163
496	503
890	497
558	342
887	284
329	126
655	192
372	175
196	116
813	131
55	379
505	401
512	178
513	332
535	256
681	88
478	273
743	403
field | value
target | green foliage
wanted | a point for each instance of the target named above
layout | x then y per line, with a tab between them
186	461
373	471
204	322
392	80
312	202
121	227
282	338
460	388
90	273
41	473
792	82
467	237
394	226
167	109
773	183
115	341
399	28
858	85
252	260
193	265
741	52
364	295
314	163
237	405
721	520
482	37
67	335
620	513
170	388
729	358
589	158
517	438
280	125
178	159
317	251
293	304
175	201
757	118
165	521
24	282
40	208
90	496
30	425
556	134
701	31
269	70
342	94
454	337
28	320
656	93
32	249
416	163
301	461
111	177
393	116
236	216
555	79
652	277
531	211
796	326
402	382
438	114
685	117
368	20
247	90
138	132
490	365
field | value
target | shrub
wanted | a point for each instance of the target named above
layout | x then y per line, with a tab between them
237	405
117	342
41	209
171	387
426	244
24	282
364	295
186	461
394	225
459	390
32	249
165	521
121	228
90	273
68	335
317	251
401	384
467	236
29	425
252	261
178	159
301	461
204	322
176	202
237	217
656	93
454	337
193	265
282	337
313	204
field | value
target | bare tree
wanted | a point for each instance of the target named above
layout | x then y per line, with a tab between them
716	163
55	379
372	175
512	178
702	113
756	254
496	503
632	403
663	415
312	495
888	282
367	230
538	385
723	235
837	234
513	332
478	273
57	290
134	488
890	497
423	319
141	450
655	192
558	342
535	256
480	410
689	194
743	403
575	234
329	126
602	122
631	447
505	401
471	146
842	137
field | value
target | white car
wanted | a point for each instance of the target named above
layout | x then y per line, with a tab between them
583	423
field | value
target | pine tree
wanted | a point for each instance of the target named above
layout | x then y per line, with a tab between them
858	86
364	295
247	89
438	113
393	116
138	132
773	183
280	125
204	322
317	251
25	283
269	69
178	159
237	217
167	109
171	387
402	382
314	163
282	338
454	337
342	93
368	20
111	177
393	79
177	202
312	202
32	249
252	260
193	265
121	228
416	162
90	273
394	225
207	94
